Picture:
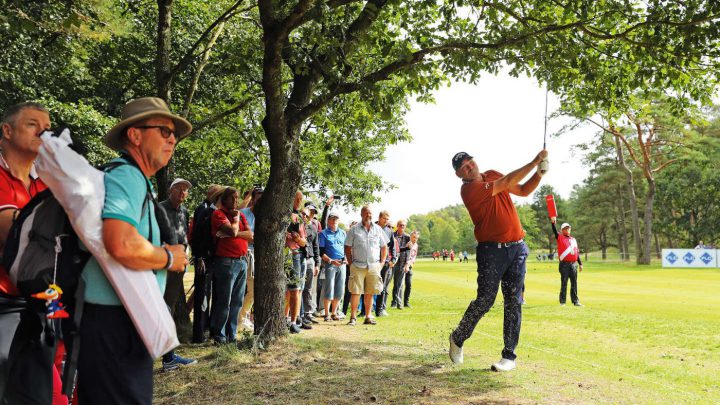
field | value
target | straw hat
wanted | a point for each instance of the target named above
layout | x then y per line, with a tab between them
214	196
138	110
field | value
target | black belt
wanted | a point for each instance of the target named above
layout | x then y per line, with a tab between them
501	244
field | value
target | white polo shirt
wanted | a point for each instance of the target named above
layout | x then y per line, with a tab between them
366	244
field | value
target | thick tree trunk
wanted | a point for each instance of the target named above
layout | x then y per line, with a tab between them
648	219
632	199
163	79
272	220
658	253
273	210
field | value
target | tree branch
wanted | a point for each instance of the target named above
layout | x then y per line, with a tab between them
296	17
212	120
199	70
190	53
664	165
413	59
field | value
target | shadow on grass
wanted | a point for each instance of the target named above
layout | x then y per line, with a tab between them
317	369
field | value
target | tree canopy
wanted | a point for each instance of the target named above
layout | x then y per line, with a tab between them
306	92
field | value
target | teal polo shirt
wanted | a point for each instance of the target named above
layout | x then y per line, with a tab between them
125	191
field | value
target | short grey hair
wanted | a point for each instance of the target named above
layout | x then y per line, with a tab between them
10	115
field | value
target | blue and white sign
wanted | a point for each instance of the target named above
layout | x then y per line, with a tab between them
690	258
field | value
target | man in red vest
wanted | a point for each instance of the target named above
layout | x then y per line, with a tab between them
569	255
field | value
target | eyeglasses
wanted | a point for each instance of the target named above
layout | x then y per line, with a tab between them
165	131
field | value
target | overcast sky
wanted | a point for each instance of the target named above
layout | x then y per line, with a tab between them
499	121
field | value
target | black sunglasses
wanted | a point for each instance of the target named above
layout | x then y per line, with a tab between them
165	131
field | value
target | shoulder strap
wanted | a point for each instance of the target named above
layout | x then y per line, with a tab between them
110	166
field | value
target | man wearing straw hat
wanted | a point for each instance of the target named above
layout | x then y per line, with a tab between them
114	366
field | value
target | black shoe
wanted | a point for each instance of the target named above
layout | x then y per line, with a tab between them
311	320
306	326
382	313
407	305
293	328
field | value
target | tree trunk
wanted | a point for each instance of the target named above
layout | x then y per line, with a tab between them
632	199
603	244
273	213
163	79
181	316
658	253
624	245
272	220
648	219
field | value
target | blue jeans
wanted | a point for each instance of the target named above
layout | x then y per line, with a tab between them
497	266
229	277
334	285
296	279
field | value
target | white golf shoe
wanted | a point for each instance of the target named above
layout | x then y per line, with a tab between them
456	352
503	365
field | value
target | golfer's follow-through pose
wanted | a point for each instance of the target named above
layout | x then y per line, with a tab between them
501	252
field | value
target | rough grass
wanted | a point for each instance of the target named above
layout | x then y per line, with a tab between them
646	335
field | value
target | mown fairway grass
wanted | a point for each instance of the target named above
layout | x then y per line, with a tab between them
646	335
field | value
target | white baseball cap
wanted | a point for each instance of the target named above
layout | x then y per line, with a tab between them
565	225
180	181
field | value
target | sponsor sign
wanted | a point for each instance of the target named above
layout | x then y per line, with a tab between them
690	258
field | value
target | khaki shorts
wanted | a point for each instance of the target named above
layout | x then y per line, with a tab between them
365	280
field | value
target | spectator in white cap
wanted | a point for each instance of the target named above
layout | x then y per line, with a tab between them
175	290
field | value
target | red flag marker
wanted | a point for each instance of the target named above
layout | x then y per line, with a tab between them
552	211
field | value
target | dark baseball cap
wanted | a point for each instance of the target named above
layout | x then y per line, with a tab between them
459	158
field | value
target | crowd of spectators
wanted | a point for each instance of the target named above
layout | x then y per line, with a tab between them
329	267
333	272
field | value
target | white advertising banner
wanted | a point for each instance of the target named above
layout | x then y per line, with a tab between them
702	258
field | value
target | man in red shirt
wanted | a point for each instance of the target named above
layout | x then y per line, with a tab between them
231	229
22	125
501	252
569	256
